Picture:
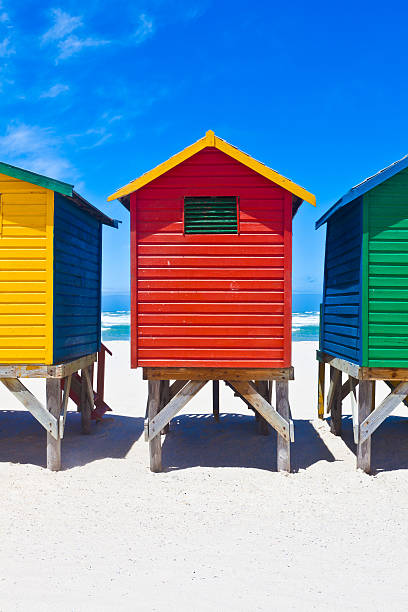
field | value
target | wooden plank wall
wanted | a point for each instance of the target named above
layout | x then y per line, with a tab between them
211	300
341	312
388	272
25	272
77	281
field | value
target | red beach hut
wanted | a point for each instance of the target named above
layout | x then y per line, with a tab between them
211	264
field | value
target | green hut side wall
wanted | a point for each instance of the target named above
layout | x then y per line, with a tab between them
385	274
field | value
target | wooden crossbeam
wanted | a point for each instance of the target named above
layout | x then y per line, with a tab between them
173	407
250	393
374	420
176	387
392	385
198	373
29	401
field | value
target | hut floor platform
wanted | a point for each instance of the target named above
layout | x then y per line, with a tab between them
360	385
254	386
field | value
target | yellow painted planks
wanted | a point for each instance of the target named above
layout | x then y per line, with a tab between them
26	261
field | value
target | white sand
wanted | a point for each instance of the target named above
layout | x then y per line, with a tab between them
220	530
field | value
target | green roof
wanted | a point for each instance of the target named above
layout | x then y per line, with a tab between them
36	179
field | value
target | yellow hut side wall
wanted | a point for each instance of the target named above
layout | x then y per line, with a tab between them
26	272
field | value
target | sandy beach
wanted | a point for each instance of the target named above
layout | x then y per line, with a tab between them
219	529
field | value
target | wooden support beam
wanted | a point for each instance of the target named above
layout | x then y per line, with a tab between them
334	403
85	403
259	403
153	408
216	399
162	417
283	408
29	401
374	420
353	383
64	407
263	389
393	385
346	389
320	390
349	368
164	400
218	373
365	406
53	392
176	387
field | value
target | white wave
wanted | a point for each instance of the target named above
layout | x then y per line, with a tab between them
305	319
111	319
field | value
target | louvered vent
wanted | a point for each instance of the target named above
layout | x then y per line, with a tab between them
210	216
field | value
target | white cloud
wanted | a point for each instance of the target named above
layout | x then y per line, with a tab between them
72	45
3	15
63	25
55	91
6	49
36	149
144	29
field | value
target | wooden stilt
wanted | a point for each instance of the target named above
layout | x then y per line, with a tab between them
164	400
283	408
53	393
365	407
320	390
336	403
263	425
216	400
85	405
153	408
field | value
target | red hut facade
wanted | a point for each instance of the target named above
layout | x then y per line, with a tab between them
211	262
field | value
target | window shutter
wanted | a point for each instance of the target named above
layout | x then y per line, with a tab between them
210	215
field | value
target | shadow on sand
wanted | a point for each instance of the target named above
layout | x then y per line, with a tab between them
23	439
389	443
198	440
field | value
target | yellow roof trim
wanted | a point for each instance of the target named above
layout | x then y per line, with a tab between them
211	140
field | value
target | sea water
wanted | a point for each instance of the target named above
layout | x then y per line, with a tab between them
116	316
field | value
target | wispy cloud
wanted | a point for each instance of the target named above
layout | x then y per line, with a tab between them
61	33
36	149
144	29
4	17
55	91
6	48
64	24
72	45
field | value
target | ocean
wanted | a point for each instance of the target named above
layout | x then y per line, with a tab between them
116	316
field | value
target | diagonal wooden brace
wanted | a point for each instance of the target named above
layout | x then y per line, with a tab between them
250	393
374	420
173	407
29	401
352	384
64	405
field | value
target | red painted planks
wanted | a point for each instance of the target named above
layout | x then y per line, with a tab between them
212	300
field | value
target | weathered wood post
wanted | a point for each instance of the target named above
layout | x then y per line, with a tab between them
263	425
283	408
86	407
153	408
336	401
53	393
164	400
365	407
320	390
216	399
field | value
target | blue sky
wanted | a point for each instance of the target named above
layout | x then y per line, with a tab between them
96	93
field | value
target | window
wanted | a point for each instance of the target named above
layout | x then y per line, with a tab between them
211	215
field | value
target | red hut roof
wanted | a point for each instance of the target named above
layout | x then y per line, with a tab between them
211	140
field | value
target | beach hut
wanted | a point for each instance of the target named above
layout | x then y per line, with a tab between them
211	261
364	314
50	295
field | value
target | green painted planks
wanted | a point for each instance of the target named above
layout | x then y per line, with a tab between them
387	273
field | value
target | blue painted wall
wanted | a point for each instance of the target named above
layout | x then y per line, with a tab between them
77	281
341	308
